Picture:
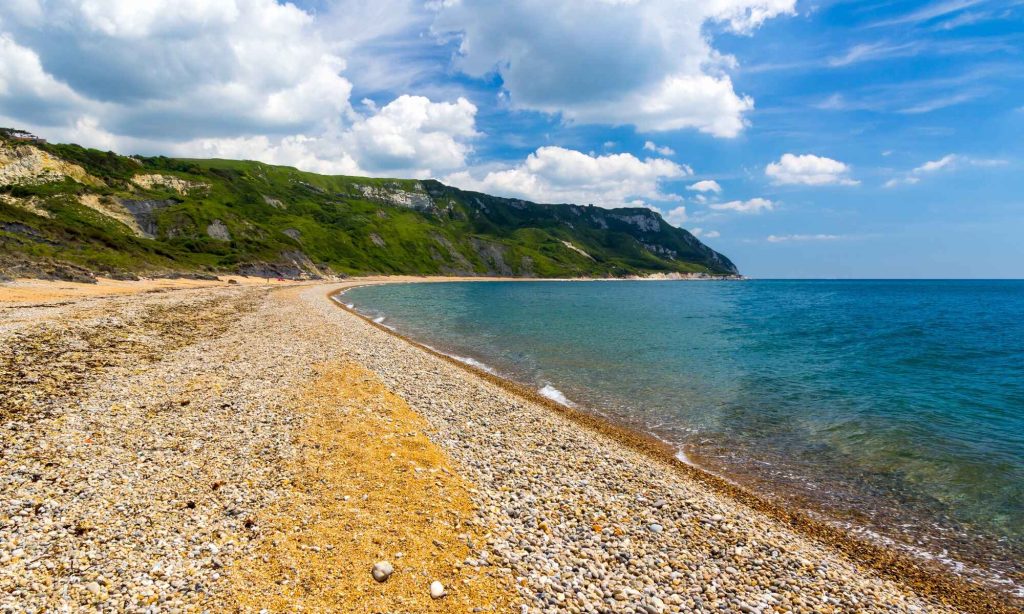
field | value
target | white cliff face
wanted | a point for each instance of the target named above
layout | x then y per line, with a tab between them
114	209
647	223
153	180
29	165
417	199
576	249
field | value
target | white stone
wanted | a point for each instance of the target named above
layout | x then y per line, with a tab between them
382	570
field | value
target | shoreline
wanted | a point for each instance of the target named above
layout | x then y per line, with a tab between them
263	445
929	577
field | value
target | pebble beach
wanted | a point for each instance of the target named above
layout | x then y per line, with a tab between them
254	448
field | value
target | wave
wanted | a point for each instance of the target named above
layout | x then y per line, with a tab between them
473	362
555	395
378	320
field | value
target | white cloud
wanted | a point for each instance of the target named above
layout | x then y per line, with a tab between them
908	180
787	238
181	69
413	133
220	78
707	185
556	175
866	52
677	217
928	12
663	150
410	136
948	162
754	205
707	234
22	76
648	63
314	154
809	169
935	165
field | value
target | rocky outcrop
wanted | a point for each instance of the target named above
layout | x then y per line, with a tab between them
273	202
493	255
645	222
661	250
393	194
577	250
31	204
144	212
217	230
29	165
115	210
153	181
290	265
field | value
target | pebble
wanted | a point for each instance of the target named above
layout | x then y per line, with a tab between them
382	570
571	517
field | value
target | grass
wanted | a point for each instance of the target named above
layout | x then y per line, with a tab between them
277	214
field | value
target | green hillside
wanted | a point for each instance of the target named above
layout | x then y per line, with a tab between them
71	212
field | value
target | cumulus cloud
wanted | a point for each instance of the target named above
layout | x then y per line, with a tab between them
663	150
788	238
754	205
677	217
809	169
648	63
254	79
558	175
189	68
318	154
414	133
410	136
707	185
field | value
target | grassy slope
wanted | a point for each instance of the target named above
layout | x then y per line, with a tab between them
339	228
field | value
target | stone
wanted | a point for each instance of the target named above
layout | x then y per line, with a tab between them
436	590
382	570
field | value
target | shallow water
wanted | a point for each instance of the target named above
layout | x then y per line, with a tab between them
894	406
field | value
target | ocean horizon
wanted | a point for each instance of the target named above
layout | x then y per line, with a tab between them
891	407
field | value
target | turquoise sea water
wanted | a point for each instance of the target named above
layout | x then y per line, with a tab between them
895	407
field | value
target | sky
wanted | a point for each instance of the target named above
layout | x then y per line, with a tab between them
835	139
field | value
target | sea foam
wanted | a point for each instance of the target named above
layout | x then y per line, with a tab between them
473	362
555	395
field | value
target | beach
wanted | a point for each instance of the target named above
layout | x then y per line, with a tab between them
205	446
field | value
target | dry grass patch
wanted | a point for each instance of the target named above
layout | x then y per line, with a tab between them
367	486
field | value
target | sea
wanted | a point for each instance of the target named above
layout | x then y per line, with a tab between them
892	408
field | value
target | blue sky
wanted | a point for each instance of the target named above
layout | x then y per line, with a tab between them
802	139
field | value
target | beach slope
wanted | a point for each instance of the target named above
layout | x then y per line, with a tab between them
253	447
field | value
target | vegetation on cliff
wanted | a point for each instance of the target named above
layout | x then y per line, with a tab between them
67	211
